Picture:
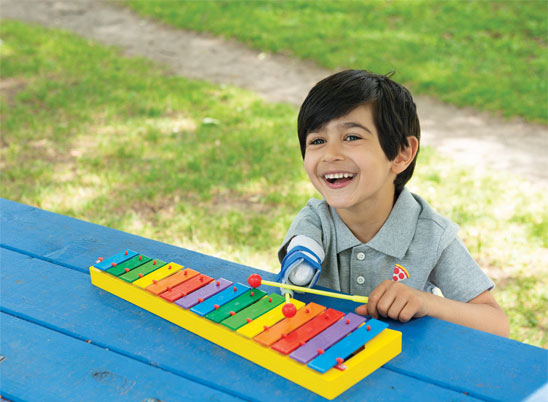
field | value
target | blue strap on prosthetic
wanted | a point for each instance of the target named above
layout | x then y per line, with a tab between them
294	258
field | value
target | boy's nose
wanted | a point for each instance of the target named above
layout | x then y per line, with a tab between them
332	152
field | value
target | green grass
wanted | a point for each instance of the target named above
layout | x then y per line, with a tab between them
117	141
490	55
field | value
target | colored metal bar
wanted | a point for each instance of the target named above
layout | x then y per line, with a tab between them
116	259
219	299
309	330
130	264
284	327
267	320
142	270
327	338
348	345
233	306
248	314
155	276
204	293
172	281
186	287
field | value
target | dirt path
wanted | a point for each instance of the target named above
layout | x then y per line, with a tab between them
465	135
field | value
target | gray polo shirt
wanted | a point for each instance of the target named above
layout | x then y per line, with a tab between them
414	236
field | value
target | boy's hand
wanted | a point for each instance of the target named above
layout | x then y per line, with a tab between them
395	300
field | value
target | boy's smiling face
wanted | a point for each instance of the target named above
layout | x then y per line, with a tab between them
345	162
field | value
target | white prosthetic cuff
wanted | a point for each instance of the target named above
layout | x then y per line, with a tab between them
304	271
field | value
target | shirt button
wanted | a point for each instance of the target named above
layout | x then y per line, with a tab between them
360	280
361	256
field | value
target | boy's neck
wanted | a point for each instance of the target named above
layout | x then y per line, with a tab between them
366	221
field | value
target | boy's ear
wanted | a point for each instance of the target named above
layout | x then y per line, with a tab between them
406	155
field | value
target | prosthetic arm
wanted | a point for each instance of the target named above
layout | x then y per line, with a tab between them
302	264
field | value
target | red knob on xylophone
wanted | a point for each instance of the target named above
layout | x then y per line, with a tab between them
289	310
254	280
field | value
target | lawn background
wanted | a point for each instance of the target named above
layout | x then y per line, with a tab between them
490	55
119	142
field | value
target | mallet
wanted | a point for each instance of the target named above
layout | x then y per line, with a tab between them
255	281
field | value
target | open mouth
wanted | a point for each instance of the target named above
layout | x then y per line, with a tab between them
338	178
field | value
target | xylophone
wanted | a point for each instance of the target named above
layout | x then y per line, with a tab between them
319	348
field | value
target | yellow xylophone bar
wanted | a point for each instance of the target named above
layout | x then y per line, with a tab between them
377	352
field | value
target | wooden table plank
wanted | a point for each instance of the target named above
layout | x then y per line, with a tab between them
65	301
35	358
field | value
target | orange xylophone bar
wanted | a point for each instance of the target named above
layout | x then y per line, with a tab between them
311	349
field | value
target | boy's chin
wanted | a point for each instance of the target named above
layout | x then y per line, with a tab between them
337	203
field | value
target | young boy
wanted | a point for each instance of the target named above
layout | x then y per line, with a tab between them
359	136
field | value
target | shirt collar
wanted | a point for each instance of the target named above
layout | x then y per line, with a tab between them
394	237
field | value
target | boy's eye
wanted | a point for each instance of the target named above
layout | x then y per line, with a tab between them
351	138
316	141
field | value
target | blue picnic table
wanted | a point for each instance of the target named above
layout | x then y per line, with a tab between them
63	339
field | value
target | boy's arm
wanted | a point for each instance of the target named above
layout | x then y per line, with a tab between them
301	265
401	302
465	286
302	251
482	312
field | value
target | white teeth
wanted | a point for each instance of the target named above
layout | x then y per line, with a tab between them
332	176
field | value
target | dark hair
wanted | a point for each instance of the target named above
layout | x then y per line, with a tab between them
394	112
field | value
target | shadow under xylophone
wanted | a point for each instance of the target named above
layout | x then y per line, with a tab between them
319	348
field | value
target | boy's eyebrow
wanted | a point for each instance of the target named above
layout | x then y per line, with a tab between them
352	124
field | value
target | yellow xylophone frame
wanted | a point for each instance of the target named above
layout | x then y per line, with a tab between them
377	352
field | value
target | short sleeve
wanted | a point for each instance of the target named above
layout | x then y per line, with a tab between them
308	223
457	274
